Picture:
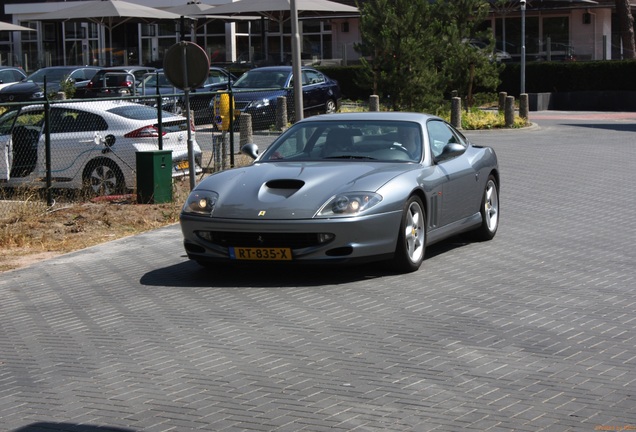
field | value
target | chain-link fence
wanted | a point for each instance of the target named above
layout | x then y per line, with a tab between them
83	148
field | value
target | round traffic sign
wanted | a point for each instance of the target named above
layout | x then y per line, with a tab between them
186	65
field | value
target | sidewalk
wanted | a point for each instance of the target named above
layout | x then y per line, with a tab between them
581	115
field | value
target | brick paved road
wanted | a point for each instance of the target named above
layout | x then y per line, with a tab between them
533	331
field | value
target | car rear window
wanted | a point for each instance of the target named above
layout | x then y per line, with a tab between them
138	112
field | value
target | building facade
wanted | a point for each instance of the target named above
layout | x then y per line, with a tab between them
555	30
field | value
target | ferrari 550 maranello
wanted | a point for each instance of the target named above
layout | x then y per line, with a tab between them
347	187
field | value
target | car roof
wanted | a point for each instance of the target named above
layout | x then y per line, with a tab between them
374	115
66	67
161	70
126	68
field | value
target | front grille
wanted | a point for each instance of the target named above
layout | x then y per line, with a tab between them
241	239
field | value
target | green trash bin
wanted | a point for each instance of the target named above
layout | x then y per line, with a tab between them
154	176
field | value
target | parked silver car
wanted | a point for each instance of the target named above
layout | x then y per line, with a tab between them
347	187
93	144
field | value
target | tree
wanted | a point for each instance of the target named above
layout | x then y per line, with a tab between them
626	28
416	51
469	60
396	47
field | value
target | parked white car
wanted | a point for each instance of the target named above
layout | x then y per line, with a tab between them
93	145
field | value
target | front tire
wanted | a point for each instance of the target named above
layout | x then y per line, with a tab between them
411	244
330	106
102	177
489	211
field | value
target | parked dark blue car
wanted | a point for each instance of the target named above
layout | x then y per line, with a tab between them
256	92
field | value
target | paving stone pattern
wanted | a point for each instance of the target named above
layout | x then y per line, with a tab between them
533	331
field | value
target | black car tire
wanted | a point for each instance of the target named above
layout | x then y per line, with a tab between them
103	177
330	106
411	245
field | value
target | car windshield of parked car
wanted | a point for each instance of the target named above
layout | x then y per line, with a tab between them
150	80
376	140
266	79
50	74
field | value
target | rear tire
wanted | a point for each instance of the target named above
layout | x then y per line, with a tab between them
102	177
411	244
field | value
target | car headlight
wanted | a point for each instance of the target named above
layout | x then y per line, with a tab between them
349	204
38	95
201	203
260	103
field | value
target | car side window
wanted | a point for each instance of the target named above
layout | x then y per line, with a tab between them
65	121
440	134
312	77
217	77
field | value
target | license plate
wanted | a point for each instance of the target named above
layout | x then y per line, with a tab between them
182	165
261	254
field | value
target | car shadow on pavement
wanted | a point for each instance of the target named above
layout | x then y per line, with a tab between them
268	275
67	427
618	127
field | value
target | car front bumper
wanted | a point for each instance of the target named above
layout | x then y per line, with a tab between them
364	238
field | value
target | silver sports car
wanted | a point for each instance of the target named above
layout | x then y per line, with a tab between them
347	187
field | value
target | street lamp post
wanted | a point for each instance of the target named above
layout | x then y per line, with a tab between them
523	46
296	66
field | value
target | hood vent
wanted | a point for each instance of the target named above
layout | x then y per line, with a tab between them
290	184
277	189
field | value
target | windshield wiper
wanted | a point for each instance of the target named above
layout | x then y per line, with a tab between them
350	157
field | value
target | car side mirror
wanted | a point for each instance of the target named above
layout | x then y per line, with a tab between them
450	151
251	150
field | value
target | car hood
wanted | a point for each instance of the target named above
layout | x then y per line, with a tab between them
289	190
22	87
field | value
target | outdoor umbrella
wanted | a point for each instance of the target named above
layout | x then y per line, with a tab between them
109	13
190	8
4	26
197	11
281	10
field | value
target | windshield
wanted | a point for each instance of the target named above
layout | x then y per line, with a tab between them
150	80
377	140
258	78
50	74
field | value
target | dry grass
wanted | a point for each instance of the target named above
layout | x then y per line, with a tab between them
29	231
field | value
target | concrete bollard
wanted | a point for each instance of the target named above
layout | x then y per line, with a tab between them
524	106
374	103
456	112
246	136
509	111
281	113
502	101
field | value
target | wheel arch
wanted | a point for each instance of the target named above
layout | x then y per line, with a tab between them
425	202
